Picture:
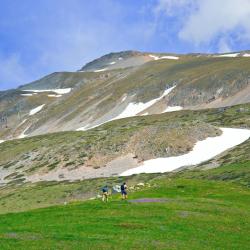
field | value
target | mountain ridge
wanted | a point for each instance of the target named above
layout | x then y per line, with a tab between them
93	98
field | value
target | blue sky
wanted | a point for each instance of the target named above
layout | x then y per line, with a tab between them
44	36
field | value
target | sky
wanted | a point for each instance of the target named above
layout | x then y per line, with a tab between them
44	36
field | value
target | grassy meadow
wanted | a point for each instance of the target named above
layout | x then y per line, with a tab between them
199	210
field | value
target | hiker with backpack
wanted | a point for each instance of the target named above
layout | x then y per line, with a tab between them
124	191
105	194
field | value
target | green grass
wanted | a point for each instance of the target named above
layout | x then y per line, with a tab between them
16	198
203	210
198	214
235	172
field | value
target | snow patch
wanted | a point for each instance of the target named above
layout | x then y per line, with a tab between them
246	55
170	57
83	128
112	63
22	122
57	91
172	108
23	135
120	58
202	151
164	57
1	141
100	70
54	95
228	55
154	57
26	94
134	108
36	110
124	98
131	110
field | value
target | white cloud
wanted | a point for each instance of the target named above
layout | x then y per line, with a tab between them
210	21
214	17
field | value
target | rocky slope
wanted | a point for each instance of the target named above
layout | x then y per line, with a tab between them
125	84
117	146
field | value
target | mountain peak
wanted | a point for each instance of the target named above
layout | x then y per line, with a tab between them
115	60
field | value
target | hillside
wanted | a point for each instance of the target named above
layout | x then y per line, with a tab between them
137	84
117	146
175	127
125	113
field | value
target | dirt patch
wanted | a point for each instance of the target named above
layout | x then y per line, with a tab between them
113	168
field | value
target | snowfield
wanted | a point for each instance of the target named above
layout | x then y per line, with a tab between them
100	70
154	57
135	108
131	110
228	55
169	57
23	135
246	55
84	128
36	110
172	108
164	57
54	96
202	151
22	122
57	91
26	94
124	98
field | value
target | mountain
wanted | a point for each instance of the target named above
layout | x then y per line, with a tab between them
175	128
115	147
125	84
165	98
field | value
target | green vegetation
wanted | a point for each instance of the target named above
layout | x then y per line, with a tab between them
197	214
202	209
15	198
236	173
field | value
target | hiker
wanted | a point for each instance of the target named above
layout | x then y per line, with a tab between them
105	194
124	191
